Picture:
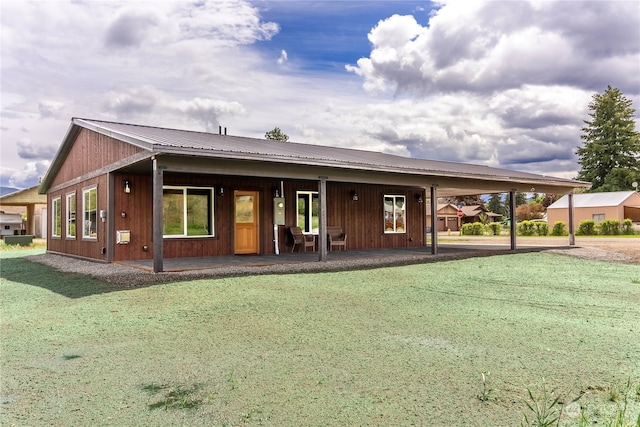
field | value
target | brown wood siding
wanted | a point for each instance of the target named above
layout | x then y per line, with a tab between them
92	151
362	220
78	246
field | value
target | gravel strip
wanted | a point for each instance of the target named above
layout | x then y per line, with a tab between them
126	276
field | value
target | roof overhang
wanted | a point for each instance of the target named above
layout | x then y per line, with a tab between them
197	152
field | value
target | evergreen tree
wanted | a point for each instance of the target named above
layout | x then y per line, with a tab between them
610	141
276	135
495	204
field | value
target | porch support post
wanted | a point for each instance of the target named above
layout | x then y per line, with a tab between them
322	232
434	220
572	234
512	218
158	179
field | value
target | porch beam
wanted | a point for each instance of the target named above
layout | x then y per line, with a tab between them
322	232
158	243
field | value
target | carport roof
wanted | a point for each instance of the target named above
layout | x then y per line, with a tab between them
593	200
158	140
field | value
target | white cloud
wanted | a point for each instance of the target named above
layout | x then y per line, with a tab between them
494	82
485	46
51	108
28	150
283	57
209	111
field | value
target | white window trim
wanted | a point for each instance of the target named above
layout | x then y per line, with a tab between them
84	211
54	201
184	189
395	196
67	218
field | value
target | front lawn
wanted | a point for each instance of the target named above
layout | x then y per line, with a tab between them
391	346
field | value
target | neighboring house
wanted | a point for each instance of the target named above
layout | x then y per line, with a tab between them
10	224
447	215
449	220
475	213
617	205
120	192
28	201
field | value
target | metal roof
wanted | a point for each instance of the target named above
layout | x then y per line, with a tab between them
158	140
593	200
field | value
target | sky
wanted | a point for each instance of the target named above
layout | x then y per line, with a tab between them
499	83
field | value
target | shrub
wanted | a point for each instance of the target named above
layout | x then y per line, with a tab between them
526	228
478	229
610	227
587	227
542	228
475	229
627	227
559	229
466	229
494	228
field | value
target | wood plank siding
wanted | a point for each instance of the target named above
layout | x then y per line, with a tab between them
92	151
78	246
362	220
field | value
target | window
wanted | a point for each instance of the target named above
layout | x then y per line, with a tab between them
597	217
395	214
71	216
56	217
308	211
90	213
187	211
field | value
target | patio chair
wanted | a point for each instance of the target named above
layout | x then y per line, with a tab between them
336	238
302	240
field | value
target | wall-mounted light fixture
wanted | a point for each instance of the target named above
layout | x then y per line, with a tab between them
221	190
127	186
354	196
123	214
419	198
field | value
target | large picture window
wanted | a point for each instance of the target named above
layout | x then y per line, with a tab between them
395	214
56	217
71	216
187	211
308	211
90	213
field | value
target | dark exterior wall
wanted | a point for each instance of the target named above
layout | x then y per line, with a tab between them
78	246
362	220
92	151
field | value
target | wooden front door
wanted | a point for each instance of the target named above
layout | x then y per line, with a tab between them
246	222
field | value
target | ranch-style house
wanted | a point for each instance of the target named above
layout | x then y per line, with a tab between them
118	192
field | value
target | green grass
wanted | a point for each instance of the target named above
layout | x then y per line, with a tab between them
390	346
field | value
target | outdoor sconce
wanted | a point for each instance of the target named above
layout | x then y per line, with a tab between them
123	214
419	198
354	196
221	190
127	186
